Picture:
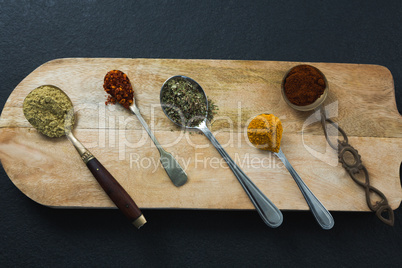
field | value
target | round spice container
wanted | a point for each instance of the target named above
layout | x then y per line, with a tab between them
304	87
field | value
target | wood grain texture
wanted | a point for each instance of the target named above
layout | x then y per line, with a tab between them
50	172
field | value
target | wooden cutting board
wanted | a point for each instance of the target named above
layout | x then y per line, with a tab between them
50	172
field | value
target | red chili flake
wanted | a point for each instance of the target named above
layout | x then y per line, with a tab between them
119	88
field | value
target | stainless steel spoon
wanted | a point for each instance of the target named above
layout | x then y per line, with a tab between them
175	172
269	213
109	184
321	214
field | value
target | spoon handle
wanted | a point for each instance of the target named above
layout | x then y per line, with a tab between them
116	192
175	172
136	111
109	184
321	214
269	213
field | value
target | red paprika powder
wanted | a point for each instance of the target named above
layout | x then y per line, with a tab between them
117	84
303	85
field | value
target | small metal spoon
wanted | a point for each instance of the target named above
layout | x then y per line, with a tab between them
269	213
109	184
175	172
321	214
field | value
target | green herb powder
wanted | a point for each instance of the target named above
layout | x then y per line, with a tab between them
185	104
49	110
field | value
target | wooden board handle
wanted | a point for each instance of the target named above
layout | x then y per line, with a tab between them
116	192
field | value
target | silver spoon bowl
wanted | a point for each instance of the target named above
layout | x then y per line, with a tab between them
269	213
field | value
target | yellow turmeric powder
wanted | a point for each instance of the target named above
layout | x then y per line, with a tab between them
265	132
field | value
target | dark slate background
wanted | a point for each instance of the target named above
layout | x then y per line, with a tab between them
34	32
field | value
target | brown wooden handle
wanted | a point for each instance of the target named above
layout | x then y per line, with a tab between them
116	192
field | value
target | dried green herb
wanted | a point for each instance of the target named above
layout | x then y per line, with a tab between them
212	110
185	104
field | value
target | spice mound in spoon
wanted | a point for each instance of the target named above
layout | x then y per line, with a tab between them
303	85
49	110
117	84
265	132
184	102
